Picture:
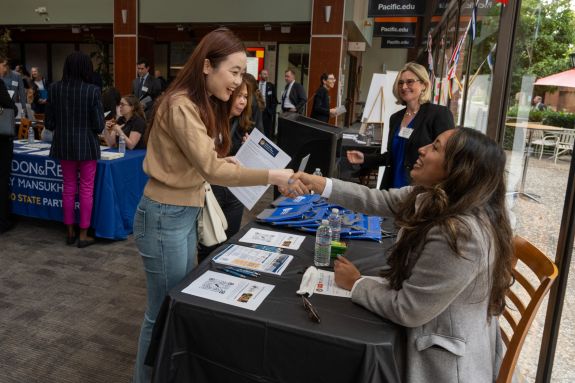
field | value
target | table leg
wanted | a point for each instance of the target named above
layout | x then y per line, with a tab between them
521	190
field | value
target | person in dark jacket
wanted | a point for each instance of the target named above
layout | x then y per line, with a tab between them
6	148
75	115
321	110
293	96
417	125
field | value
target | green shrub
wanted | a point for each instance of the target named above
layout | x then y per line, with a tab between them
561	119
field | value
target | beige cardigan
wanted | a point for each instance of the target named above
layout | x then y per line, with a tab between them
181	156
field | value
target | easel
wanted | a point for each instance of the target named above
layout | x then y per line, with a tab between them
367	120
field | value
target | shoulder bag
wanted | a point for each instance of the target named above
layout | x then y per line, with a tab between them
212	223
7	122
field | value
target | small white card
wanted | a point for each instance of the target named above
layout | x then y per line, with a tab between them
405	132
230	290
144	89
326	284
273	238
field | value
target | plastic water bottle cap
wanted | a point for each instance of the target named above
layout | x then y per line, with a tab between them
324	222
335	210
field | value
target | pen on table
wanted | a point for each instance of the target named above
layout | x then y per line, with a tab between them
232	272
243	271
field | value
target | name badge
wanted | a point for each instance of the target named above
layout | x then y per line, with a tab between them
14	83
405	132
144	89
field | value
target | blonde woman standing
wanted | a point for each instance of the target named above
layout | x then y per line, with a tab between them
417	125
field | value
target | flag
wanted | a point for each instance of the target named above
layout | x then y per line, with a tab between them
429	53
473	23
504	2
490	59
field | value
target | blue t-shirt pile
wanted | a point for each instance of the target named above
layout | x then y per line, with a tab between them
306	212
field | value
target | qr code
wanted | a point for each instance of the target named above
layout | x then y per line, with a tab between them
217	285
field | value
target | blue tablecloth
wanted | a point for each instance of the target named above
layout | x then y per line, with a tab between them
36	183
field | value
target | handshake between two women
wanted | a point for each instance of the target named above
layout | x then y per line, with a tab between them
303	183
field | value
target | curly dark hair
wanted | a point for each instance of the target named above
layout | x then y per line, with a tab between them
475	185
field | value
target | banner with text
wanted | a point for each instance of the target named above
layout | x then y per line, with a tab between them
36	187
397	42
396	8
394	26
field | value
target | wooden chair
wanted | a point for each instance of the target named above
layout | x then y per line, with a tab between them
564	144
520	317
23	130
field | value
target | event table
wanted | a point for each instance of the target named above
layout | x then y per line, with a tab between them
36	186
530	126
199	340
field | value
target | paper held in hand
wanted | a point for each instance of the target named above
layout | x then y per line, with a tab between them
258	152
253	259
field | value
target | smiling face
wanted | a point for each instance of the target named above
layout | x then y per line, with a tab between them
430	168
240	102
410	86
227	76
330	82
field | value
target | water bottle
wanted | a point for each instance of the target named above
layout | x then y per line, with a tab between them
322	244
122	144
30	134
317	172
335	224
369	135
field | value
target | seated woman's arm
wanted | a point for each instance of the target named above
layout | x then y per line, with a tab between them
133	139
437	279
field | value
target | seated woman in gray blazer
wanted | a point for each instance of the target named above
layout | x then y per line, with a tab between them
448	272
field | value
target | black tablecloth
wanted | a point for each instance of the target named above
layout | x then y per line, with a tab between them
198	340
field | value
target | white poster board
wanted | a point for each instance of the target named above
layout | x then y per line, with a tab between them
376	112
252	66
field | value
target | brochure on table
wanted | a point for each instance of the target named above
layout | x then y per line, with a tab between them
323	283
258	152
230	290
253	259
273	238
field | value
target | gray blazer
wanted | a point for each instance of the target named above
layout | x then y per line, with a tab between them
443	304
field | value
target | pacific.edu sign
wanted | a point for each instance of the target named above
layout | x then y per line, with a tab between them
379	8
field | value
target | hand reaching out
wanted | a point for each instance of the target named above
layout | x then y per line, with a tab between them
355	157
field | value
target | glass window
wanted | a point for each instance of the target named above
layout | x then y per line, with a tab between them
538	138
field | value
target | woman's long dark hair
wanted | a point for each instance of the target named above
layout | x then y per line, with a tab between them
77	67
216	46
245	122
475	185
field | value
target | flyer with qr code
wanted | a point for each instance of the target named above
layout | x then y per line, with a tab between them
230	290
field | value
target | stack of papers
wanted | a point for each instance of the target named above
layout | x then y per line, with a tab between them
111	155
253	259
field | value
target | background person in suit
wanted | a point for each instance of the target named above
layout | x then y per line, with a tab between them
293	96
449	271
16	88
75	115
321	110
40	90
146	87
417	125
6	149
268	90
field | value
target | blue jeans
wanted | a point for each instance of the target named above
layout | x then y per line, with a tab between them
166	237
